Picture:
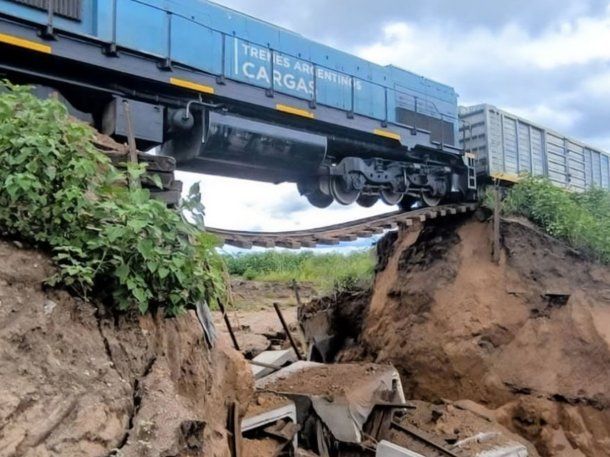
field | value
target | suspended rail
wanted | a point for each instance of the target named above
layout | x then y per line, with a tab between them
337	233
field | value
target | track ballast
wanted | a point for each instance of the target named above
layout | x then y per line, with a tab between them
337	233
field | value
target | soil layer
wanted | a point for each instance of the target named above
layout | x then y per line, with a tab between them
528	338
75	381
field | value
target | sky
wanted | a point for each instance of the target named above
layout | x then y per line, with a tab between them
548	61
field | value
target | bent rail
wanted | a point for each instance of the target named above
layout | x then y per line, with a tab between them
335	234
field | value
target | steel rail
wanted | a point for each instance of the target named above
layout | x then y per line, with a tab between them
337	233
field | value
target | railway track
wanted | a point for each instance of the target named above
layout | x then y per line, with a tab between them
335	234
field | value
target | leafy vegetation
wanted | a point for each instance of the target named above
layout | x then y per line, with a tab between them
581	219
327	271
57	191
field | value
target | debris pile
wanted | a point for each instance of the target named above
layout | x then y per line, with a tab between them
526	341
358	408
449	354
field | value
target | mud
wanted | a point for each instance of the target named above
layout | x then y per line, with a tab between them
265	401
528	339
327	380
260	330
267	447
332	325
77	381
467	429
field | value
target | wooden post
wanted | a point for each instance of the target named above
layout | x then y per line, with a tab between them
131	141
287	330
497	210
295	287
234	426
229	327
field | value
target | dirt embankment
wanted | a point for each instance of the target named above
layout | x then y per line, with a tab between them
76	383
528	338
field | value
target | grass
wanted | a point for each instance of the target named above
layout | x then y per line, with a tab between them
329	271
580	219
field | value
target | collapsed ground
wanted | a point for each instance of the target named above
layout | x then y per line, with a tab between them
78	382
520	347
526	342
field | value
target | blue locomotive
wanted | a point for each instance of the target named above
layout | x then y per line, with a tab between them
224	93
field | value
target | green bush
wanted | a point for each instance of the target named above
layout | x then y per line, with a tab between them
58	192
327	271
581	219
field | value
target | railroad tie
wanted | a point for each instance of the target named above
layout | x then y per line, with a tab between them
337	233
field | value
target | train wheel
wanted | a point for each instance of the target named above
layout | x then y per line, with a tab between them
431	201
367	201
342	193
319	199
391	198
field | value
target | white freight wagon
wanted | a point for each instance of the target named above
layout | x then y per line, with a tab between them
507	146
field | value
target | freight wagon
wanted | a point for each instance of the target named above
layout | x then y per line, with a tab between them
227	94
507	146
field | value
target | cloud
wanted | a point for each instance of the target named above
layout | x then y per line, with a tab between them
355	22
248	205
289	206
558	77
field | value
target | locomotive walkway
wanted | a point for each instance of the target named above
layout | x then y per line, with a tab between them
335	234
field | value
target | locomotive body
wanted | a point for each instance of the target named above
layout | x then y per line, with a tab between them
227	94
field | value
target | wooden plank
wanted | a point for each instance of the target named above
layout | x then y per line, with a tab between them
167	179
134	183
170	197
157	163
290	244
263	243
153	163
496	239
347	237
176	185
327	241
308	243
240	243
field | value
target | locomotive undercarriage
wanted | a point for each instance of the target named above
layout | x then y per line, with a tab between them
325	168
367	181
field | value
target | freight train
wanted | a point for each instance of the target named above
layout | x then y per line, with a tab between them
227	94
